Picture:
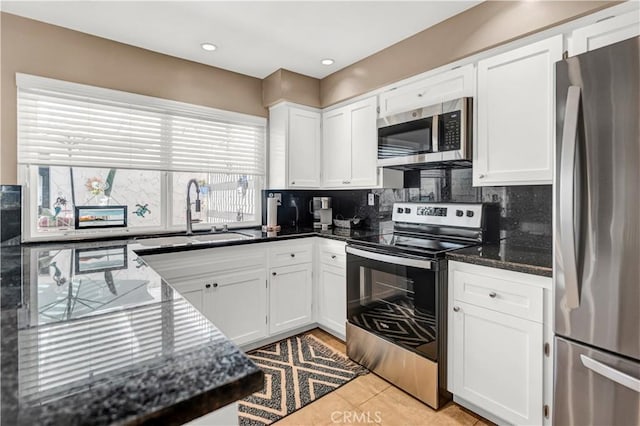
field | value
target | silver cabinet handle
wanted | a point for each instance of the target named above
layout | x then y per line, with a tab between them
456	308
333	256
611	373
420	95
274	274
293	255
346	182
492	295
566	207
207	285
293	182
215	285
481	176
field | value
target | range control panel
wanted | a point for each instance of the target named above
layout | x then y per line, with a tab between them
461	215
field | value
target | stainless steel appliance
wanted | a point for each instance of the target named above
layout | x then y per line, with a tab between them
322	212
397	293
597	246
434	136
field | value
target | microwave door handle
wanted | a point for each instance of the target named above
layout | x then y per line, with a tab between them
611	373
567	197
396	260
434	133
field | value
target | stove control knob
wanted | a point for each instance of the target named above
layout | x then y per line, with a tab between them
400	210
459	213
469	213
407	210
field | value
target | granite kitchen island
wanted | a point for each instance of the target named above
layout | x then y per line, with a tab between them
92	335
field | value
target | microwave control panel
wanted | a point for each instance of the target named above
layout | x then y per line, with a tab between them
449	129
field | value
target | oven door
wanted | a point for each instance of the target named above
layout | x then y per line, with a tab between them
394	297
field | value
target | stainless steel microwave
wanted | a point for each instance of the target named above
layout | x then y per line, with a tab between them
427	137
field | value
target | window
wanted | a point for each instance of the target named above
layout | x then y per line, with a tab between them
85	146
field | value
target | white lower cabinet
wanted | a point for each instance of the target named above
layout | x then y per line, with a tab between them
331	287
332	298
253	292
290	289
496	343
238	305
498	363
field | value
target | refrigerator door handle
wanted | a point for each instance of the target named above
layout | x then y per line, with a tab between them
611	373
567	200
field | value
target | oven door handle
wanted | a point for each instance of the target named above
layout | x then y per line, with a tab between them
396	260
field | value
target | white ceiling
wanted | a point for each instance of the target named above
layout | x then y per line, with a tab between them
254	38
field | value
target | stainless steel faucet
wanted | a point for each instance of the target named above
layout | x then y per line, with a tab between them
189	224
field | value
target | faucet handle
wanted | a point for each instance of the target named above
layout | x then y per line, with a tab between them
225	227
197	205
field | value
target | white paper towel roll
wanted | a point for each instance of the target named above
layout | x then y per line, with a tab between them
272	212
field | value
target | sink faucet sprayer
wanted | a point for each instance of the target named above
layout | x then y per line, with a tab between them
189	224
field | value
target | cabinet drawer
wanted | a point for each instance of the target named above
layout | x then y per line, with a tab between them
332	253
429	91
506	296
291	253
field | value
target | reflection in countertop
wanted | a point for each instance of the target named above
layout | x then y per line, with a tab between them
89	331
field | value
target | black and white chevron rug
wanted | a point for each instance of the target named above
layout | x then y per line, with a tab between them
297	371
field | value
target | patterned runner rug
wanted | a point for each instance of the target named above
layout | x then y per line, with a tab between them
297	371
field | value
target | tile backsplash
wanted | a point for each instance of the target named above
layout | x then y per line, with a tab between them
10	214
525	211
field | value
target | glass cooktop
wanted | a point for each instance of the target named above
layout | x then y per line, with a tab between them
412	243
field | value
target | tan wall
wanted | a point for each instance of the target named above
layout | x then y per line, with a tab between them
285	85
480	28
37	48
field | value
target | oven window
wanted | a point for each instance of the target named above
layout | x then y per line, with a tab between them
411	138
397	303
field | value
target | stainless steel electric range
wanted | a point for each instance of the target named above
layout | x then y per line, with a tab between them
397	293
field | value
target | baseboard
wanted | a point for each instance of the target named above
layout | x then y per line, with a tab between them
277	337
473	407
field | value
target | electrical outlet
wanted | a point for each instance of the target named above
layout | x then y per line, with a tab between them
277	196
371	199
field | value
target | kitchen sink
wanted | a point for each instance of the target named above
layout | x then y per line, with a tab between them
164	241
192	239
225	236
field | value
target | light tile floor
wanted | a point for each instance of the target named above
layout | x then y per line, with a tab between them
370	400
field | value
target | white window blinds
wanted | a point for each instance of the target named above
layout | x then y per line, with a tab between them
61	123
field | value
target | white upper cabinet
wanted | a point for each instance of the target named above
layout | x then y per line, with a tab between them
515	111
448	85
336	150
350	145
605	32
294	147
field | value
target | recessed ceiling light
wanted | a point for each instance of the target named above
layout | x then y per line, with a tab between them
208	47
327	61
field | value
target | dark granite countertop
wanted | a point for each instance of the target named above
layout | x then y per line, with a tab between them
507	256
91	334
89	331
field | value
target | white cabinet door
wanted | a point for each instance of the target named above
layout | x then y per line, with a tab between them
516	124
336	148
364	143
446	86
194	292
239	305
498	363
332	298
304	148
604	33
294	146
290	290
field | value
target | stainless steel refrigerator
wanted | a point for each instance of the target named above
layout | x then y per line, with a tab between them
597	239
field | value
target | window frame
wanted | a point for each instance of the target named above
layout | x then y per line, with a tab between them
28	174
